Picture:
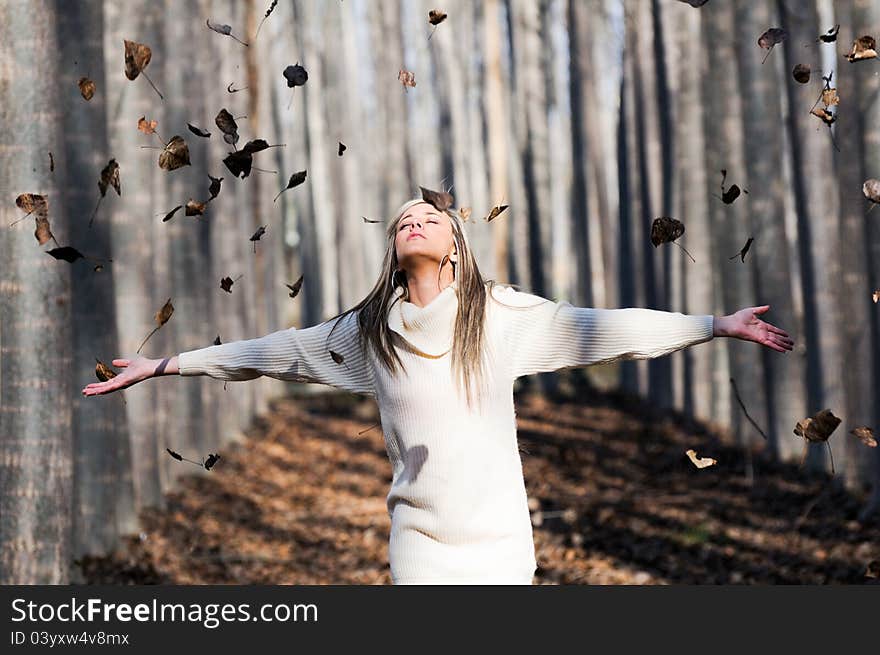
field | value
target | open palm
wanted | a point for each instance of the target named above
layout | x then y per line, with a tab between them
746	325
135	370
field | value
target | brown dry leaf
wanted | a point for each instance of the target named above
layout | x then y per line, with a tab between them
147	127
871	189
226	284
435	17
700	462
103	372
161	318
137	57
110	177
214	189
864	47
198	131
830	97
407	78
826	116
464	212
239	163
225	30
228	126
801	73
818	427
171	214
257	235
295	75
865	434
33	203
217	341
295	287
744	250
441	200
830	36
175	155
67	253
496	211
876	295
770	38
342	148
43	232
195	208
666	229
86	88
295	180
339	359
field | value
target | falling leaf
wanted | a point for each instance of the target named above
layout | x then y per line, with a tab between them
864	47
268	11
67	253
339	359
226	284
801	73
435	17
51	163
175	155
295	75
367	220
866	435
217	341
826	116
295	287
700	462
212	459
171	214
194	208
228	126
441	200
818	427
33	203
732	193
86	88
876	295
829	97
137	57
695	3
147	127
110	177
161	318
666	230
496	211
295	180
258	145
198	131
239	163
406	78
770	38
225	30
745	249
465	213
342	148
214	189
175	455
256	235
229	88
830	36
871	189
103	372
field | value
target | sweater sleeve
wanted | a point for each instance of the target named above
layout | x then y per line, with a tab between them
296	355
542	335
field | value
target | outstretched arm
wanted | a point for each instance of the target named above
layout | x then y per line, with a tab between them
542	335
297	355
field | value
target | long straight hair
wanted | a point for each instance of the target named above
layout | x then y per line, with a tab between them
468	354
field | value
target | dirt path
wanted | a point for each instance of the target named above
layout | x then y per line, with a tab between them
615	501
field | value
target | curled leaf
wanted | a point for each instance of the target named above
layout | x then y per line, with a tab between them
465	213
295	180
239	163
225	30
830	36
194	208
770	38
435	17
666	230
147	127
257	235
198	131
171	214
342	148
863	48
339	359
817	428
211	460
103	372
407	78
865	435
441	200
700	462
295	287
67	253
214	189
137	57
826	116
228	126
110	177
871	189
161	318
801	73
496	211
295	75
86	88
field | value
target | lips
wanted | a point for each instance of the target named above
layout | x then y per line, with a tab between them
414	235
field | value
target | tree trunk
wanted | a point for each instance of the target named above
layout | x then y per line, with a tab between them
36	474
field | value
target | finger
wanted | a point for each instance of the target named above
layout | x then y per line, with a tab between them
121	363
761	309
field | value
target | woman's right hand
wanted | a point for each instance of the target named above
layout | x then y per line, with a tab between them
134	371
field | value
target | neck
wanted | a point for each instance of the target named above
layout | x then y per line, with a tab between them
423	285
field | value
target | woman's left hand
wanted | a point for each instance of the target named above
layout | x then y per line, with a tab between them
746	325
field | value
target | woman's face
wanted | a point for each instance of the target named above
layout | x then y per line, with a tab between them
423	234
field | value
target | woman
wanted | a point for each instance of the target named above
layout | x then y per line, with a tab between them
441	360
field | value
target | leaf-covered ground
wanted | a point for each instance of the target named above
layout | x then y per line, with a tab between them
302	501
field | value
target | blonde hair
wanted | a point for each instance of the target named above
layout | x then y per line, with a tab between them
468	359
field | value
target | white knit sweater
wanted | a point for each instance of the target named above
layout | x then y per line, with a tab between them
457	501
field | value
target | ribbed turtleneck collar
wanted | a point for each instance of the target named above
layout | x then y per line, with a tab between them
428	329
